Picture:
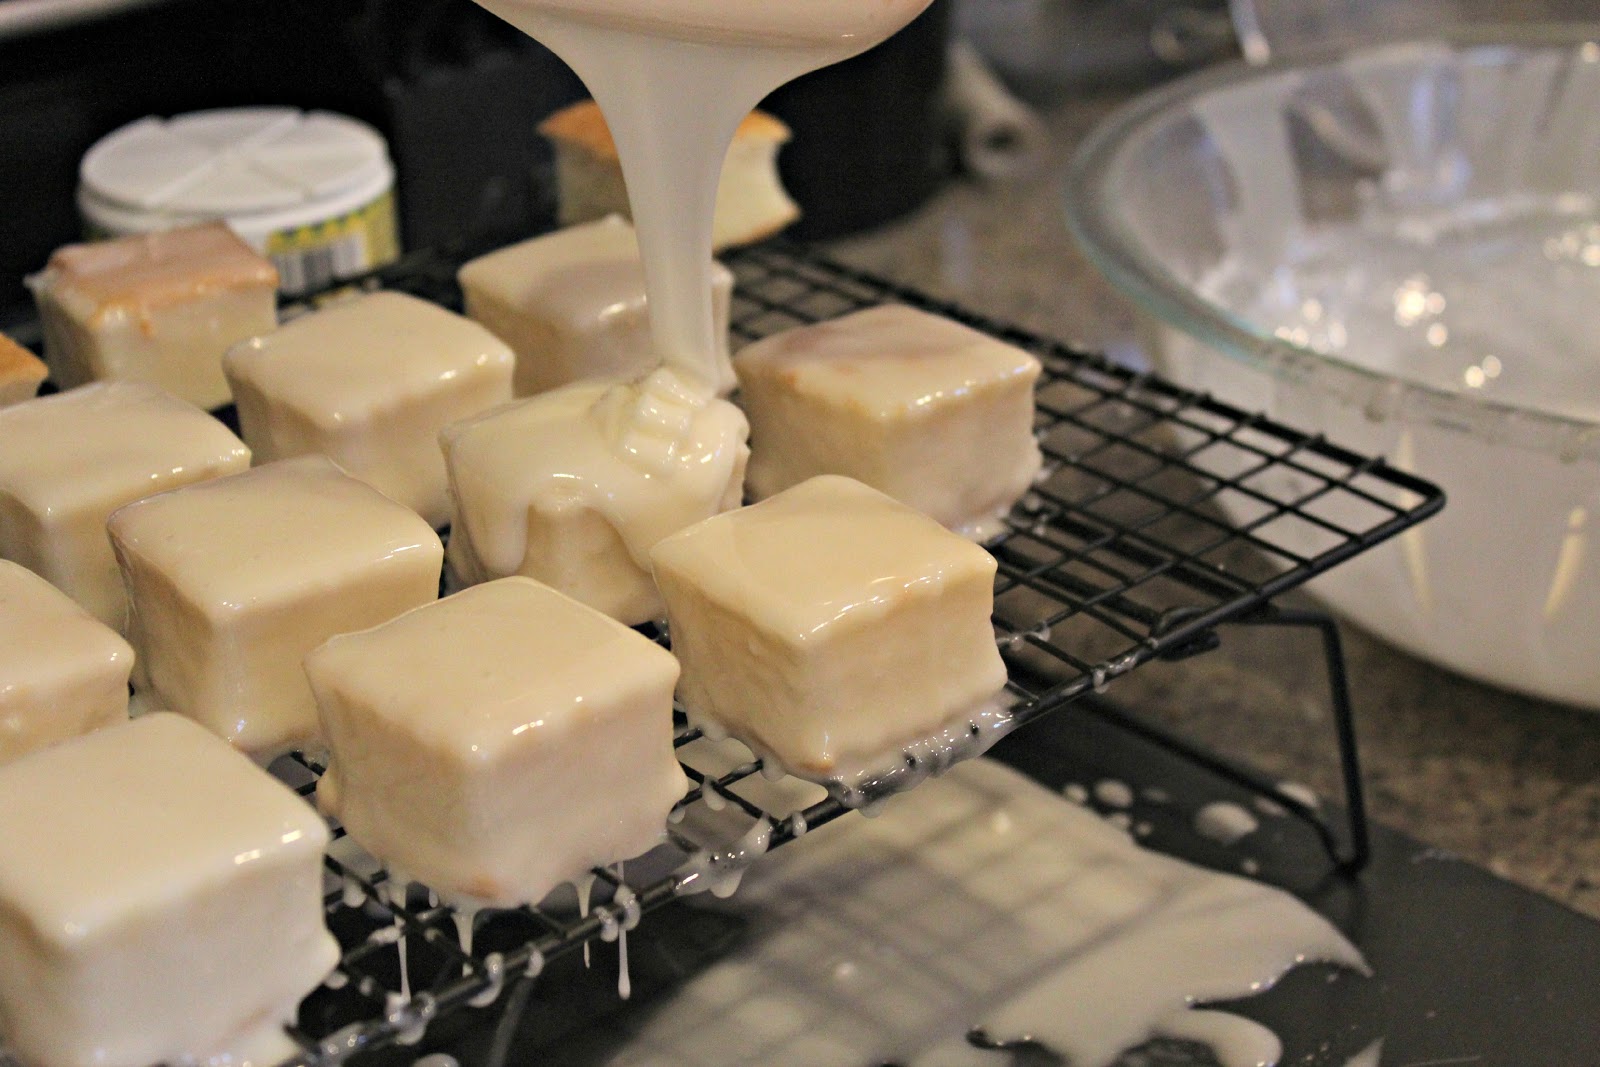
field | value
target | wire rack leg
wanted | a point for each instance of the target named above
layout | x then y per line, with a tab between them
1358	849
1349	852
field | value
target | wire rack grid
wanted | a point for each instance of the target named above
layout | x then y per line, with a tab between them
1162	514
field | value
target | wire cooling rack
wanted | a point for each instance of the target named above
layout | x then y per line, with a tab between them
1162	514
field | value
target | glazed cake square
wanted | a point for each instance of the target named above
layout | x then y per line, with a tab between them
829	625
159	307
752	204
233	581
160	899
369	383
542	728
68	461
934	413
63	672
571	304
573	487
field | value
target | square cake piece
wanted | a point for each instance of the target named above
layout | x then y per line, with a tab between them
158	307
829	626
68	461
62	671
160	900
571	305
574	486
542	728
934	413
232	582
21	373
369	383
752	204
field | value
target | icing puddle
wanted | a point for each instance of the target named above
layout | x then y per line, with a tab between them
981	900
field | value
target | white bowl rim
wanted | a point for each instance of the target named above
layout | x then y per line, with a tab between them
1154	289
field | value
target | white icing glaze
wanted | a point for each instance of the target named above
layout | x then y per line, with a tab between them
1113	794
585	887
1236	1041
392	893
369	383
844	26
157	307
887	940
543	728
712	797
575	486
674	80
1224	822
792	616
172	910
867	782
68	461
232	581
1301	792
63	673
752	203
465	916
1371	1056
629	913
572	305
934	413
1267	806
494	968
718	869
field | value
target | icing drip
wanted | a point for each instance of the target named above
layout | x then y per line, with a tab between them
1224	823
719	871
1038	922
865	783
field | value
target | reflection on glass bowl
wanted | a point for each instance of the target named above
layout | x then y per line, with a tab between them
1398	247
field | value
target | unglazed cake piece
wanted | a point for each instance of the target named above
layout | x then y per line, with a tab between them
935	414
829	626
160	900
571	305
21	373
369	383
752	204
574	486
232	582
159	307
68	461
63	673
542	729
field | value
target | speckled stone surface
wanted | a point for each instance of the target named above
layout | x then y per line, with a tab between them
1510	783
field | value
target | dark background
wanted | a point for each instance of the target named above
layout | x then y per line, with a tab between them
457	92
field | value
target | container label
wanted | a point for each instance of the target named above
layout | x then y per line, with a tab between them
312	257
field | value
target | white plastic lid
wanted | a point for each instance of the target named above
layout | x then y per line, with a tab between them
235	162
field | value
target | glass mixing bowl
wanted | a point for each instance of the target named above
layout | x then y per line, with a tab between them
1398	247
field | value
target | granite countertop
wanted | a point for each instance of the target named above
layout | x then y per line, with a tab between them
1510	783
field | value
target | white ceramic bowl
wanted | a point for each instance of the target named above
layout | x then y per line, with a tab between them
1400	248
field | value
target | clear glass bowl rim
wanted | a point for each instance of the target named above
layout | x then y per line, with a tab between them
1091	190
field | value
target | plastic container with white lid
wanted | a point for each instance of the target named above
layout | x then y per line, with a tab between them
313	191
